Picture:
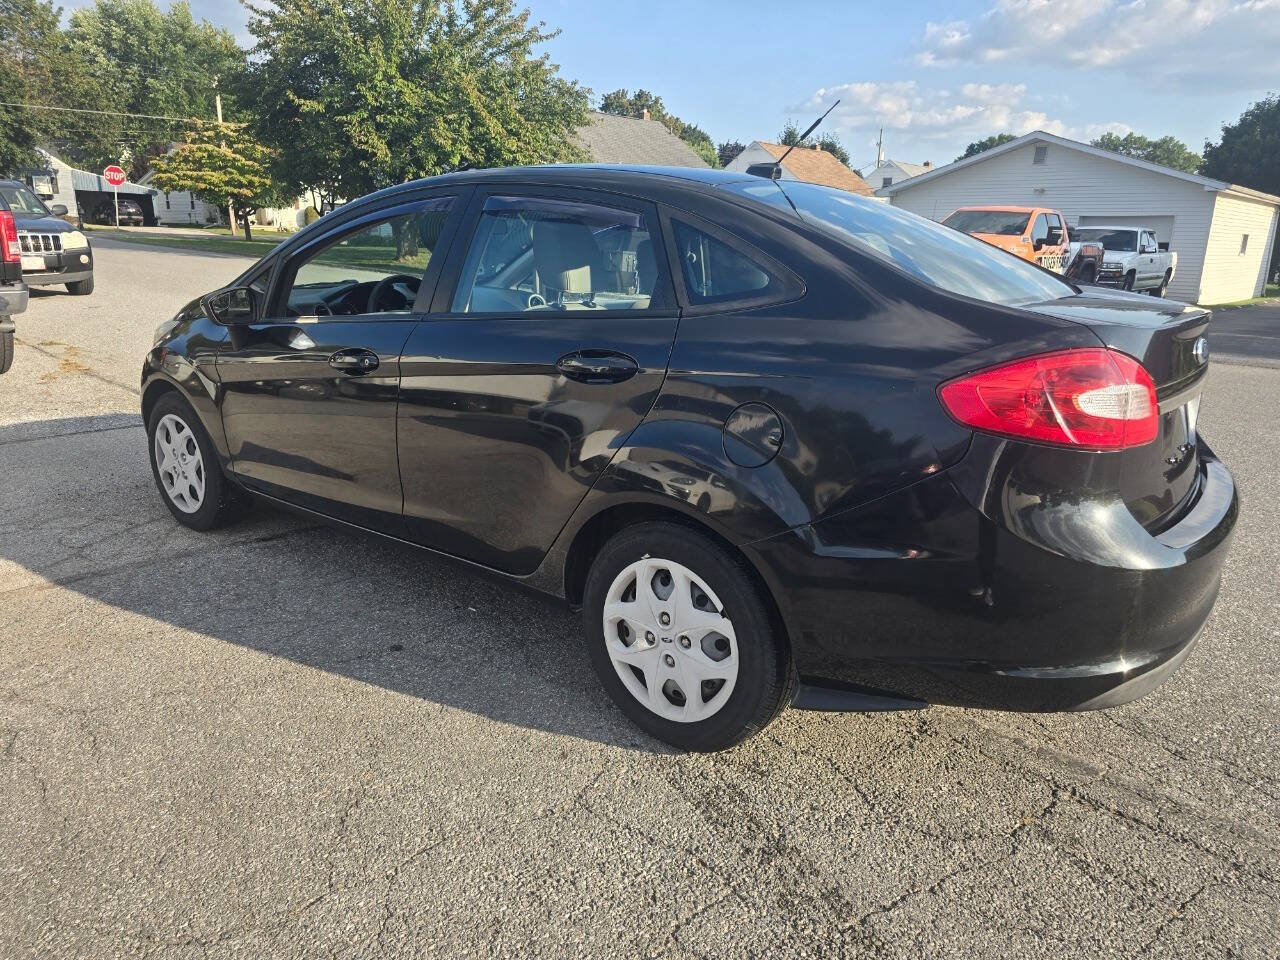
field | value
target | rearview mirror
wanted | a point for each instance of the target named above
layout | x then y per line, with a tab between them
58	210
233	306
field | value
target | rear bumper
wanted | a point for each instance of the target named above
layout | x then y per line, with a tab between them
1005	605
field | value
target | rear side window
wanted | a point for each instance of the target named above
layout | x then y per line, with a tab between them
538	254
715	272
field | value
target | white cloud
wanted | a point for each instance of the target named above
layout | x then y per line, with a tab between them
1216	44
939	114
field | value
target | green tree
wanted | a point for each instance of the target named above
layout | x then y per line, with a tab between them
1248	153
222	166
790	136
981	146
130	56
356	95
29	56
728	151
622	103
1167	151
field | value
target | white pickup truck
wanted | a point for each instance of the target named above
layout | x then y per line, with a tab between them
1132	259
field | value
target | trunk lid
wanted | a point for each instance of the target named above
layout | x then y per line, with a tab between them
1168	339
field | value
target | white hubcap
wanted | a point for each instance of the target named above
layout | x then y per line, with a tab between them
179	463
669	640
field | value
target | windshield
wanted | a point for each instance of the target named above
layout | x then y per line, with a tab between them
23	202
927	250
1002	223
1120	240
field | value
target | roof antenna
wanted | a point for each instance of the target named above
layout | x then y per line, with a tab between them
773	171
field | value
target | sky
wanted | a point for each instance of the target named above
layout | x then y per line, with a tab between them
934	76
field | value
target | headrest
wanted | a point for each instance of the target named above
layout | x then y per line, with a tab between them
565	254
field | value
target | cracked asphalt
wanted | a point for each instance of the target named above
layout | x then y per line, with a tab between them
281	740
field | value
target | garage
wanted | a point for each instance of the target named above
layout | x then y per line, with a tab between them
1223	233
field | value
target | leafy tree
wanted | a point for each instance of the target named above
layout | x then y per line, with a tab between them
355	95
1248	152
790	136
221	166
981	146
624	104
728	151
1167	151
132	57
28	62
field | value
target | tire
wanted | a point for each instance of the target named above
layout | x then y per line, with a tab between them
1164	285
6	351
1129	279
757	679
219	501
81	288
1088	277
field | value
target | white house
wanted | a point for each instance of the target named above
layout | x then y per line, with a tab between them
888	172
1223	233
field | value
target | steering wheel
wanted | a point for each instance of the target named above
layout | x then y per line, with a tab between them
379	288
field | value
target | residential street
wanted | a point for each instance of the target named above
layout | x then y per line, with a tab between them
282	740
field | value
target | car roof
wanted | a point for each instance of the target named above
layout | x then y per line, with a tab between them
1113	226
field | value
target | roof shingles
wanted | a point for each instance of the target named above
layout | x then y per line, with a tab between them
612	139
818	166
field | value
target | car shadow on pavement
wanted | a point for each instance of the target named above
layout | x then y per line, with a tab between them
85	517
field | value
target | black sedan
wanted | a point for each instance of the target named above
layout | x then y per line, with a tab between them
131	214
780	443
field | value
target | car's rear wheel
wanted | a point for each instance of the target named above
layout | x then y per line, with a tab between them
682	638
81	288
186	470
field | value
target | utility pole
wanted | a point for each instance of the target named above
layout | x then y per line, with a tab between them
217	104
880	149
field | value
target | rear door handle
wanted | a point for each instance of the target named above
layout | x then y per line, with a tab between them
597	366
354	360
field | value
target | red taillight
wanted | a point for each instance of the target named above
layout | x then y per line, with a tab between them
9	252
1093	397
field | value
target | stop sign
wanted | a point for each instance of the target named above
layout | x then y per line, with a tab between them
113	175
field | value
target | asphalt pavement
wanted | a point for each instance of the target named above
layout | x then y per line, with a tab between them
1251	334
283	740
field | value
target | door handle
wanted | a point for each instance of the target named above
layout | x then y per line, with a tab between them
597	366
354	360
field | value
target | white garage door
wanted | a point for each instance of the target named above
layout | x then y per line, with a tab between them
1163	226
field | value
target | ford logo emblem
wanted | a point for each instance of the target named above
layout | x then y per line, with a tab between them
1201	350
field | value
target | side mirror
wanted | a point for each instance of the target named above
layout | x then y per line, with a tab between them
1054	239
58	210
1038	244
238	305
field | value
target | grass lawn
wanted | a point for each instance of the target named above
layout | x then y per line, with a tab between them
367	256
1269	292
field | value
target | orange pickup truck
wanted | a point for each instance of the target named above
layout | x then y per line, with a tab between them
1033	233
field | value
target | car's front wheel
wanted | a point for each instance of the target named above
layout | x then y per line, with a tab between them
81	288
683	639
186	470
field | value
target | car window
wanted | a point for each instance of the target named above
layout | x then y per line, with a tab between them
375	268
715	272
1123	241
927	250
22	202
1040	229
1000	223
538	254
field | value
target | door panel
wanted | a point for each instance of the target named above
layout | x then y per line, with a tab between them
499	441
553	328
309	395
314	434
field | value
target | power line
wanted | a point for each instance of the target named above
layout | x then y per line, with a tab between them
113	113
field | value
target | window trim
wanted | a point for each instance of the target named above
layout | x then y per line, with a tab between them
793	286
281	271
446	287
